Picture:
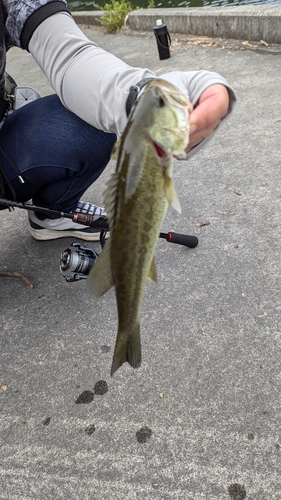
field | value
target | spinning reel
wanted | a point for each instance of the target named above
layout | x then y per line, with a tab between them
79	260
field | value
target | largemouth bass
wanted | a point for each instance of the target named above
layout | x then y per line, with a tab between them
136	200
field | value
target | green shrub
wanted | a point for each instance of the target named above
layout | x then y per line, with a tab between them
114	15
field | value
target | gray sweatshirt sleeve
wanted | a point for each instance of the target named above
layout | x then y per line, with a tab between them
93	83
89	81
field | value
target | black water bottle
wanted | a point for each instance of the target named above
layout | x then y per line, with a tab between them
163	39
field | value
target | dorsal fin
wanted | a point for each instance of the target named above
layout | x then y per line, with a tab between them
110	197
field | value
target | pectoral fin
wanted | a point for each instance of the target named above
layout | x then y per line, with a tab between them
171	194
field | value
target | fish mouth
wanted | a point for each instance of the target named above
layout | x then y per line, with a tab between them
164	155
161	153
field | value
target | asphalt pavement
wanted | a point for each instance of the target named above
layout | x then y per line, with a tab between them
200	420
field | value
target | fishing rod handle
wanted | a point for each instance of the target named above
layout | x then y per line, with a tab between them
89	220
182	239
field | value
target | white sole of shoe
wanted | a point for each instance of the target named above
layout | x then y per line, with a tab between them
48	234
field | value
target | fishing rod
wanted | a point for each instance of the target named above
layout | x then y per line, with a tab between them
88	220
78	217
85	219
80	260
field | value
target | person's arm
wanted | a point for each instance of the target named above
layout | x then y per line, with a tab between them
94	84
91	82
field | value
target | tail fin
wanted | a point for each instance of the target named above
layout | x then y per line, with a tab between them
127	348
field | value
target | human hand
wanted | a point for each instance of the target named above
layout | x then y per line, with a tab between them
212	105
207	113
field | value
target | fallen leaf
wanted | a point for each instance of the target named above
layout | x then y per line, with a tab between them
199	224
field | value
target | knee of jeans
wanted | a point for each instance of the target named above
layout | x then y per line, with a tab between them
105	147
97	158
97	152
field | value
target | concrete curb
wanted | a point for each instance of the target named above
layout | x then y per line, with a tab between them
90	18
239	22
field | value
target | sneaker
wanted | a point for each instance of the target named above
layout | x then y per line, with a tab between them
50	229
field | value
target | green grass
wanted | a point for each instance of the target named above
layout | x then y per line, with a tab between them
115	14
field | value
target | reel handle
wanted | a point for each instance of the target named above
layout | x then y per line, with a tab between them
180	239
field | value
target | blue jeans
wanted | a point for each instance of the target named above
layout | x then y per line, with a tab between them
57	154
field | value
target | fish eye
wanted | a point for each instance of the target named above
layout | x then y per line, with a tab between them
161	102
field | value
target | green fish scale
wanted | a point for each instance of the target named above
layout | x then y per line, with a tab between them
134	238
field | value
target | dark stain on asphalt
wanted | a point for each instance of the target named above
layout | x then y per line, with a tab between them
90	429
101	387
85	397
105	348
144	434
237	491
46	421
